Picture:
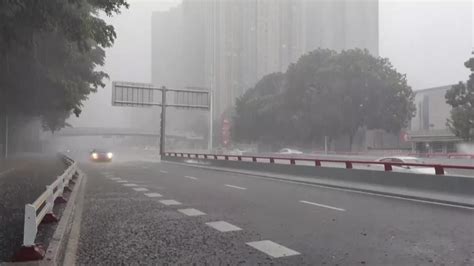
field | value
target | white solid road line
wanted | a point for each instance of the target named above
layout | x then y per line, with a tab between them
163	171
191	212
140	189
190	177
322	205
227	185
130	185
272	249
170	202
153	195
223	226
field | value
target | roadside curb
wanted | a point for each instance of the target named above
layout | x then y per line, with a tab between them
332	186
57	246
70	246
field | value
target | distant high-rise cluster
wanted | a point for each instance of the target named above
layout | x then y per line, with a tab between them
227	46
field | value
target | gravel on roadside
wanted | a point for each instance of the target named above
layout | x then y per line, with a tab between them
23	185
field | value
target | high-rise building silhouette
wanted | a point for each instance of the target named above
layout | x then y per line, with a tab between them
227	46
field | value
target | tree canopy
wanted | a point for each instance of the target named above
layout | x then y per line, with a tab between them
461	98
325	93
49	54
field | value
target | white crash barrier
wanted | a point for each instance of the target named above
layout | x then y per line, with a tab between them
41	210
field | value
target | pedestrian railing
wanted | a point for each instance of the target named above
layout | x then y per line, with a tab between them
439	169
41	211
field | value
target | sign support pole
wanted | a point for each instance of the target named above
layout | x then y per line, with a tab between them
143	95
163	121
211	118
6	136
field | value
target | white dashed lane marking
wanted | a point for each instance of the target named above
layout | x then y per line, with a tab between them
115	178
272	249
130	185
122	181
322	205
140	189
190	177
191	212
170	202
163	171
235	187
222	226
153	195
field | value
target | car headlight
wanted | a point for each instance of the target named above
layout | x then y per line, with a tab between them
110	155
95	156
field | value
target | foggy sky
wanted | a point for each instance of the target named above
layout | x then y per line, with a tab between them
128	60
427	40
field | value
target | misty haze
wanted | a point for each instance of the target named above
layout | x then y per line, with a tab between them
237	132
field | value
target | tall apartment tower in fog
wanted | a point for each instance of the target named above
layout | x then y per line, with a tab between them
167	47
227	46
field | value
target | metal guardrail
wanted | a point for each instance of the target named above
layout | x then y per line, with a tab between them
41	211
447	155
388	166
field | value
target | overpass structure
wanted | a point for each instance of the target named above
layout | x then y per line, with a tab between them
124	132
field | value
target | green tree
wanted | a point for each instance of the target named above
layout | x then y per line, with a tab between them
257	110
326	93
55	120
339	93
49	53
461	98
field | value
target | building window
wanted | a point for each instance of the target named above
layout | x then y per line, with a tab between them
451	147
420	118
422	147
426	113
437	147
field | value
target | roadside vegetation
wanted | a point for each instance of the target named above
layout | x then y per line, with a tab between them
325	94
461	98
50	54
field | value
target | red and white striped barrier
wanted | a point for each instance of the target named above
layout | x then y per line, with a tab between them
41	211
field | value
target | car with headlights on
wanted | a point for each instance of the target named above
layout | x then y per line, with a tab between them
99	155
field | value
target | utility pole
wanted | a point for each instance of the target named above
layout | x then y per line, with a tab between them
326	144
163	121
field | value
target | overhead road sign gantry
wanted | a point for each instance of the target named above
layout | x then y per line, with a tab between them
132	94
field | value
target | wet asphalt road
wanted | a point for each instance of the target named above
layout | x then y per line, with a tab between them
303	224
